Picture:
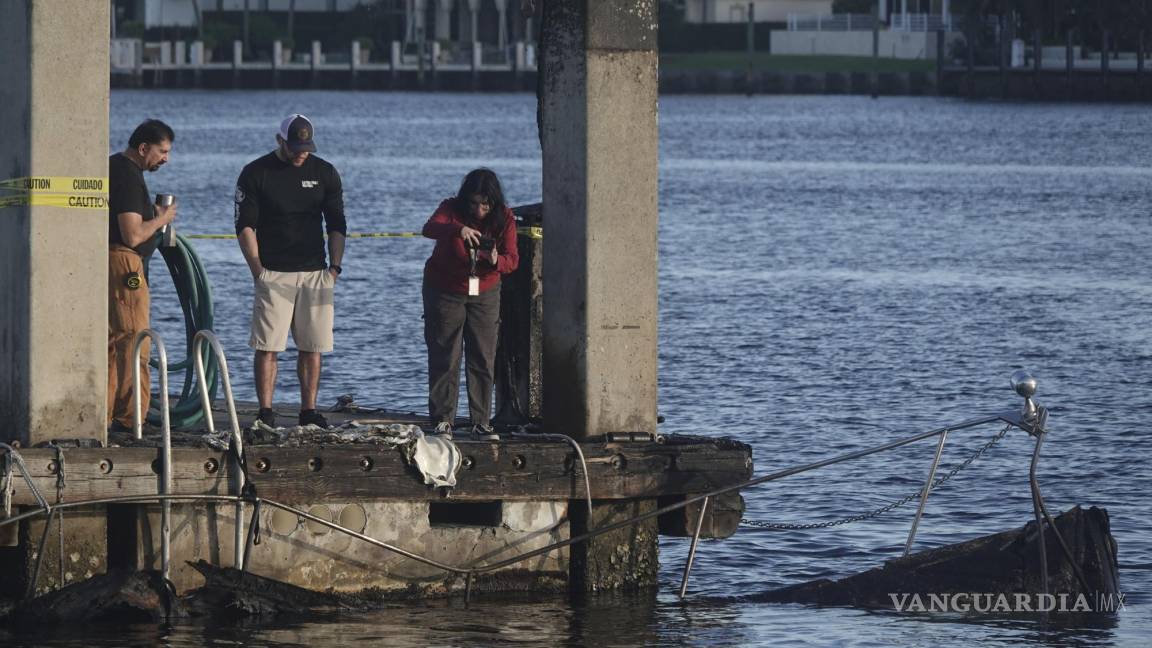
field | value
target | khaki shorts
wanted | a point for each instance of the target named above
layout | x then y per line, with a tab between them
301	302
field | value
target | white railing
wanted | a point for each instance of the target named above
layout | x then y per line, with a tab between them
832	22
919	22
908	22
128	55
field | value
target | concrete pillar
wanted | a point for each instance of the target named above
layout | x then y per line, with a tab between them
420	35
138	62
277	61
599	143
54	257
237	61
474	20
623	559
354	53
444	20
502	31
419	9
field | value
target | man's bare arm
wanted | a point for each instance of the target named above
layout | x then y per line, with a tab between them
251	250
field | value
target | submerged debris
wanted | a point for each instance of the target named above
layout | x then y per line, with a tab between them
145	596
1004	563
115	597
231	592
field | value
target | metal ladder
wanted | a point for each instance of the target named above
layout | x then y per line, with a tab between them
201	338
165	486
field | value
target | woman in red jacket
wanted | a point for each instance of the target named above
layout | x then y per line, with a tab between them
475	235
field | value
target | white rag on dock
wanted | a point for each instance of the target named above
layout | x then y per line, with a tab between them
437	458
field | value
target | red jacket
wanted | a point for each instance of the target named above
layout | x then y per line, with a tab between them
447	268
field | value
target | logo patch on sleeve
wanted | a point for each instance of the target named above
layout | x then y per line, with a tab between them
239	195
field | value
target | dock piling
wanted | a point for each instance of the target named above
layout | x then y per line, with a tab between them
599	140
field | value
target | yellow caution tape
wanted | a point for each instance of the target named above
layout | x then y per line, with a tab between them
57	184
386	235
55	191
530	232
68	201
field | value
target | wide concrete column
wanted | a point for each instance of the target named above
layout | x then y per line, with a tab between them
599	139
53	250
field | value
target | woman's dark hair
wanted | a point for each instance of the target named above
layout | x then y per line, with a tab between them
484	182
152	131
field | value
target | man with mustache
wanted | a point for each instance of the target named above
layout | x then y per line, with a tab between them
132	226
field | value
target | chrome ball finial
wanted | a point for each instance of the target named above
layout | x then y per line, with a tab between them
1024	383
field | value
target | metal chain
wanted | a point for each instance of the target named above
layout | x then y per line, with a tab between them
6	485
61	483
781	526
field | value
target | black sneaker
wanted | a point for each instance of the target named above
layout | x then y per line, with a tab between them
444	430
312	417
267	416
484	433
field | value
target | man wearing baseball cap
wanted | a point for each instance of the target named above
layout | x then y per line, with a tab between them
285	201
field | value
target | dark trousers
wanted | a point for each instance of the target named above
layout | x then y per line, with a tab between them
450	319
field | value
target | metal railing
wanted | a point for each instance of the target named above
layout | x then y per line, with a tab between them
202	337
830	22
903	22
165	485
1032	419
922	22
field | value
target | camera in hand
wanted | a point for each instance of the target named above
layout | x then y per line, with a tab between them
485	243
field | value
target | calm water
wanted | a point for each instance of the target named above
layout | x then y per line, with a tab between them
835	272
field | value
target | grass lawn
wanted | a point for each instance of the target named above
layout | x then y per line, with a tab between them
781	63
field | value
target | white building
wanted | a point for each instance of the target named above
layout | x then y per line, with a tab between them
461	20
182	13
726	11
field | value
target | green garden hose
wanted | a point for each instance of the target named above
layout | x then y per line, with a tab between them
195	295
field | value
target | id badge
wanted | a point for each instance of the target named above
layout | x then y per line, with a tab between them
473	286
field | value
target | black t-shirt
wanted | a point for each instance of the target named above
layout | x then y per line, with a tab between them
127	192
290	208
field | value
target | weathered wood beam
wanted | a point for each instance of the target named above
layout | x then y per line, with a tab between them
510	470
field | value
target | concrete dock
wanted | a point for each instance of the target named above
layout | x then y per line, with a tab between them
519	494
